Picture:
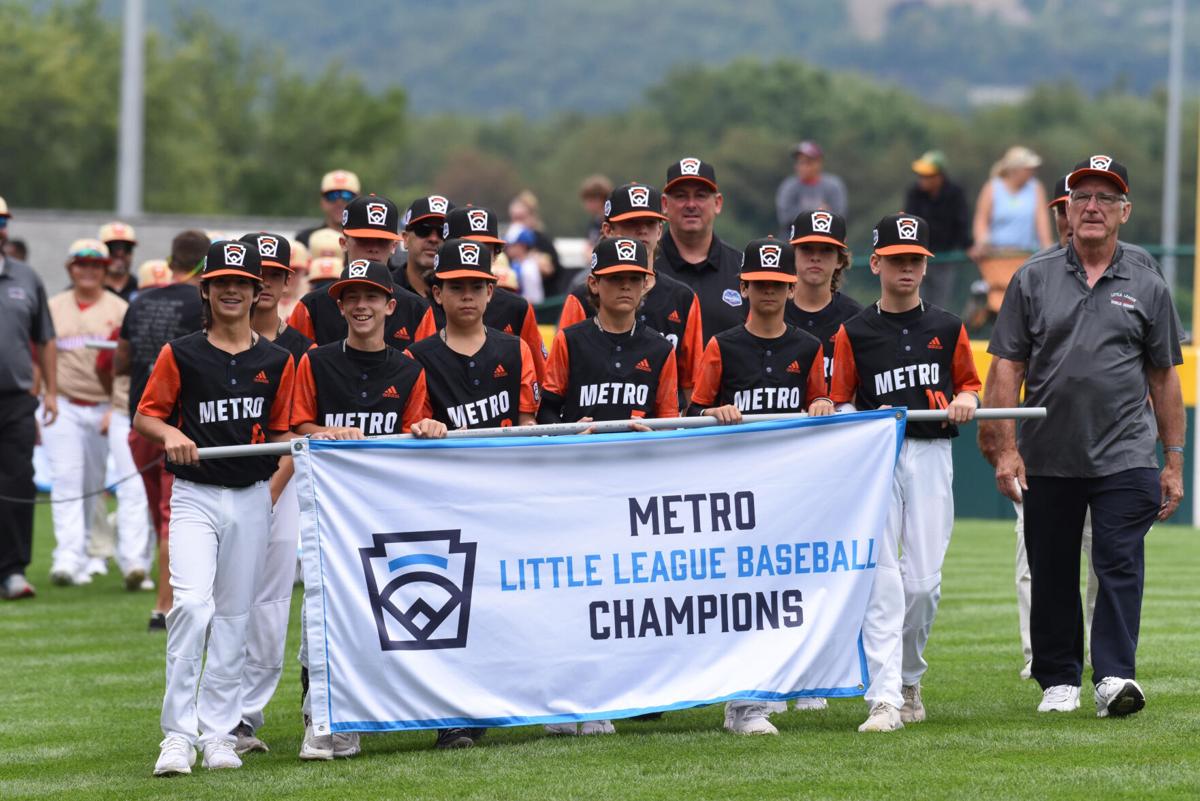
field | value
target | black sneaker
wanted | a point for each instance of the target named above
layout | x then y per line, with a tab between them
158	622
458	738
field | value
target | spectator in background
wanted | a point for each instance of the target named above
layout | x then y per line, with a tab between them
120	240
523	210
809	189
527	263
16	249
594	190
943	204
338	188
1009	211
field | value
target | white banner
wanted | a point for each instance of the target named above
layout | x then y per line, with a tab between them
501	582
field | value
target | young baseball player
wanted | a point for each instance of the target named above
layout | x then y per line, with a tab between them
370	226
478	377
902	352
225	385
670	306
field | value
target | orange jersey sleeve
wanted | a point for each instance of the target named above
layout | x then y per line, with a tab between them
558	369
843	384
300	320
666	402
304	395
691	348
427	327
708	381
281	406
817	386
531	387
572	312
417	408
532	337
966	378
162	388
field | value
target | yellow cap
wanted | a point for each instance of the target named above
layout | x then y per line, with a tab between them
117	232
325	243
87	250
300	256
152	273
340	179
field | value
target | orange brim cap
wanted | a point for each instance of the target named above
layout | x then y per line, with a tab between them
622	268
235	273
1107	174
371	233
768	275
464	273
828	240
337	287
278	264
491	240
683	178
900	250
640	214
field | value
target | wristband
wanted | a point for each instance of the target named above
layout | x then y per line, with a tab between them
1173	449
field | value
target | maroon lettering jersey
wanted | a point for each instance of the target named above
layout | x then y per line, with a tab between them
317	317
378	393
824	324
920	359
511	314
604	376
219	398
760	376
488	389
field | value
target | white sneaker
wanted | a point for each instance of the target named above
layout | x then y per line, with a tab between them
219	755
81	578
1059	698
1116	697
748	719
568	729
346	744
147	585
597	727
913	710
316	746
804	704
175	757
883	717
97	566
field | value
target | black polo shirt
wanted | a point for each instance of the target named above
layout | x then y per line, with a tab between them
824	324
714	280
156	317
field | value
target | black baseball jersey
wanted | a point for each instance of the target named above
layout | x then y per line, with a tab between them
716	282
512	314
219	398
760	376
156	317
378	393
317	317
488	389
670	308
824	324
604	376
293	342
920	359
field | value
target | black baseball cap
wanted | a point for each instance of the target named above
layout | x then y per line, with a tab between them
433	208
371	217
1101	167
818	226
897	234
633	202
226	257
691	169
472	222
768	260
463	258
273	250
620	255
1061	193
366	273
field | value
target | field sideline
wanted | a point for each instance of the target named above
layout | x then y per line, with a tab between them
81	683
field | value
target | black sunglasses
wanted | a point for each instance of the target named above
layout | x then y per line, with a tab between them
424	230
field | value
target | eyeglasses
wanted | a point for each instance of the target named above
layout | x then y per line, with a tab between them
335	195
119	247
424	230
1102	198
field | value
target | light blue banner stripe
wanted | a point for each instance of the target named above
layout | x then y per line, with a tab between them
419	559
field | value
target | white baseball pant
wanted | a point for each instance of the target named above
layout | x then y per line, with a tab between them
218	538
135	541
76	452
266	634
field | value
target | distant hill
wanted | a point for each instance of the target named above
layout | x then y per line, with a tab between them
535	57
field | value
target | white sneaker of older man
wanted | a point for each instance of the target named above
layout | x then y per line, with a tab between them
1116	697
316	746
1060	698
219	755
596	727
809	704
913	710
883	717
743	718
175	757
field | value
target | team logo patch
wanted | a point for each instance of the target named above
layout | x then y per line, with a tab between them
261	378
689	166
607	208
821	221
16	293
468	252
768	255
357	268
438	204
906	227
419	584
235	254
794	367
639	196
626	249
376	214
1100	162
935	344
268	246
1123	299
478	220
391	392
732	297
644	366
499	372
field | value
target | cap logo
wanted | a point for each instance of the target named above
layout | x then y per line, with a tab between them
906	227
821	221
639	196
607	208
689	166
407	216
376	214
469	253
792	233
358	268
235	254
1100	162
595	260
268	246
438	204
478	220
627	249
345	217
874	237
445	230
768	255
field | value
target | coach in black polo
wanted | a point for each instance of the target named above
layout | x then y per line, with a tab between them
1092	333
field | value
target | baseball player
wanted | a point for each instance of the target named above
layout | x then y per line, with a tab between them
75	447
670	306
120	240
225	385
370	226
412	265
297	286
902	352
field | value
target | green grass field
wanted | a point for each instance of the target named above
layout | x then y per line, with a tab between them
81	682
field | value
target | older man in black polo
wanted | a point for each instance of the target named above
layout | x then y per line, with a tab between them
1091	332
